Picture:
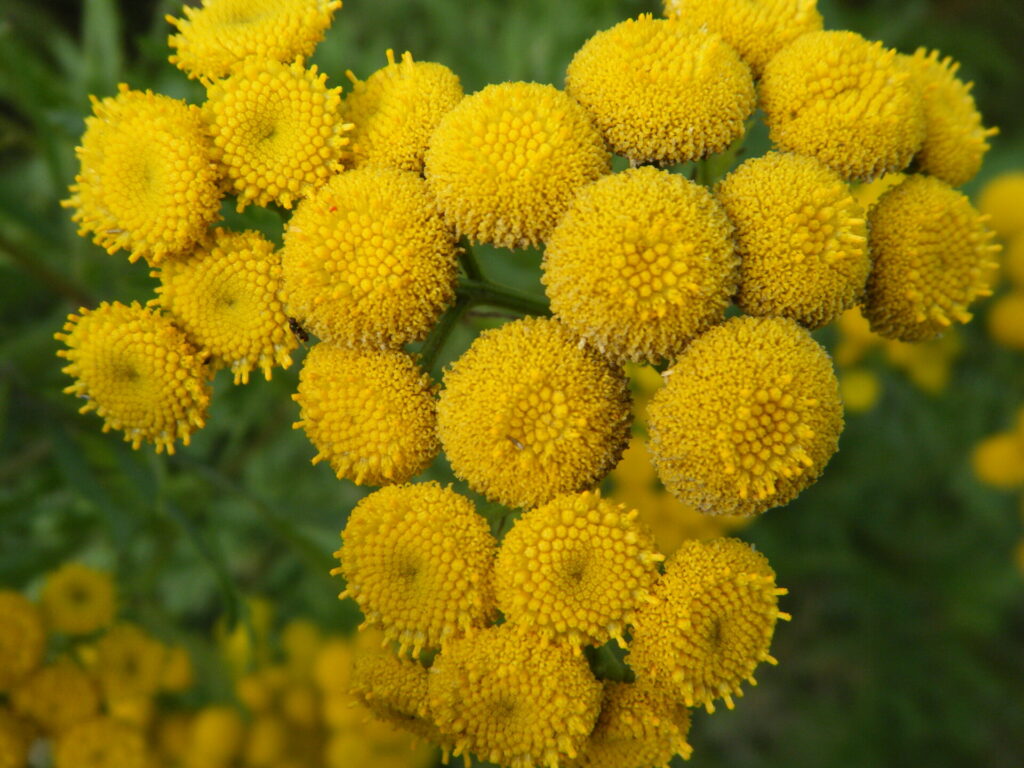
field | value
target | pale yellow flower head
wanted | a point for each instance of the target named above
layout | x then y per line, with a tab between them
395	691
998	460
57	696
22	638
1002	199
1006	320
78	600
129	662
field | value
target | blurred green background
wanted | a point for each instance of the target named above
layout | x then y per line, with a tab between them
907	643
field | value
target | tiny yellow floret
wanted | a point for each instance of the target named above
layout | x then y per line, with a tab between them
1002	199
22	638
78	600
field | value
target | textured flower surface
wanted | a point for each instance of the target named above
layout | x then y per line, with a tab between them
508	699
101	742
78	600
712	622
277	131
369	413
226	296
57	696
662	91
138	371
395	691
801	238
506	162
526	414
848	102
642	262
212	39
748	419
418	560
1001	200
932	256
576	569
368	261
147	181
129	662
22	638
397	108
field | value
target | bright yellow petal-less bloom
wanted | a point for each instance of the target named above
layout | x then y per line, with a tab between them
138	371
57	696
642	262
506	162
801	238
22	638
102	742
147	182
395	691
129	663
216	736
1000	199
78	600
662	91
998	460
859	389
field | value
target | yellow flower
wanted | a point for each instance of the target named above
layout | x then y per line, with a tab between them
368	261
712	622
300	641
757	29
927	364
859	389
662	91
22	638
418	560
1001	199
837	97
369	413
666	271
506	162
1006	319
16	738
932	256
998	460
78	600
177	675
868	192
576	569
748	419
509	699
277	131
266	742
129	662
138	371
527	413
397	108
332	665
216	737
1013	261
855	338
395	691
57	696
212	39
102	742
955	141
147	183
801	238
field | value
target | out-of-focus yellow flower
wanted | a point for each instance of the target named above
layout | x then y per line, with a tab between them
101	742
859	389
300	641
856	338
1001	199
129	662
1013	259
215	738
178	673
57	696
927	364
16	738
395	691
78	600
22	638
998	460
1006	319
266	741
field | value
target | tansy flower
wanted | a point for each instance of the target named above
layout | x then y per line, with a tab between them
932	256
641	263
748	419
368	261
277	130
395	691
22	638
16	736
397	108
859	389
215	37
57	696
801	238
129	662
1006	320
511	700
78	600
998	460
1013	261
757	29
527	413
300	641
101	742
225	296
506	162
837	97
216	736
712	622
138	371
662	91
266	741
147	181
576	569
369	413
1000	199
955	141
418	559
177	675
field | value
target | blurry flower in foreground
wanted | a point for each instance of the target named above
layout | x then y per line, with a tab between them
16	736
22	638
998	460
101	742
1001	199
859	389
216	736
1006	319
57	696
78	600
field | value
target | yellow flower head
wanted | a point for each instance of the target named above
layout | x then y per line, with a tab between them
576	569
859	389
527	413
1013	260
225	296
1006	320
177	675
848	102
57	696
78	600
801	238
639	726
22	638
998	460
395	691
369	413
418	560
955	141
216	737
397	108
506	162
129	662
16	737
266	741
138	371
332	665
509	699
212	39
277	130
712	622
662	91
147	183
642	262
368	261
932	256
102	742
748	419
1000	199
757	29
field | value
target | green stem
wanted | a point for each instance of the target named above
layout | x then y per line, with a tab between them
468	262
482	292
439	335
